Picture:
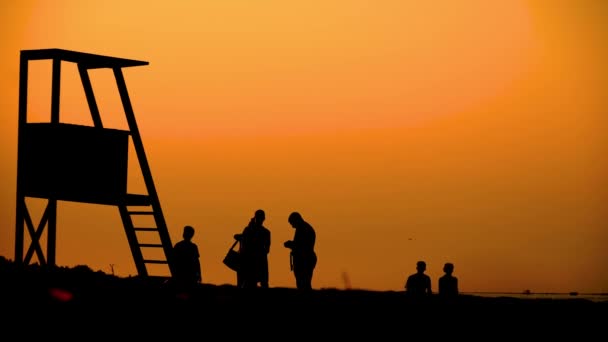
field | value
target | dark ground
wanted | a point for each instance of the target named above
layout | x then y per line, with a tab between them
80	303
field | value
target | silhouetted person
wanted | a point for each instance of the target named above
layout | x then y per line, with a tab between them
448	284
419	284
187	267
303	256
254	249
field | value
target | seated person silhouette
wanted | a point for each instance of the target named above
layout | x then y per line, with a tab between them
418	285
448	284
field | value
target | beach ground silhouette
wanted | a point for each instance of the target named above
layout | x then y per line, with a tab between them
64	302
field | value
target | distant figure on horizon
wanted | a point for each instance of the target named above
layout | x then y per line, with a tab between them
419	284
303	257
186	260
254	249
448	284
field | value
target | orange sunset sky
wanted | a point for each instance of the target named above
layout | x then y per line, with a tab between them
472	132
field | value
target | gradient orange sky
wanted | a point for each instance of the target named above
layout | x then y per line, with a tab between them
471	132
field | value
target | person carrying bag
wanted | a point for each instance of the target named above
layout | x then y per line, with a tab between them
233	258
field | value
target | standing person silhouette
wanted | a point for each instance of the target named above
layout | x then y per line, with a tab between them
419	284
186	261
303	256
255	246
448	284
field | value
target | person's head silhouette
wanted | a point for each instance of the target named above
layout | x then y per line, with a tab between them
188	233
421	266
295	219
259	216
448	268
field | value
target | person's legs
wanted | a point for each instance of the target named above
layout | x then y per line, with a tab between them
297	273
264	277
308	271
308	278
248	276
239	279
303	278
249	282
300	280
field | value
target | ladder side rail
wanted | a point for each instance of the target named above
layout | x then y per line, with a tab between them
88	91
138	257
52	205
21	209
55	90
145	167
51	234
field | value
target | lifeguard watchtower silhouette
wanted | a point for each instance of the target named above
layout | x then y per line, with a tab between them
87	164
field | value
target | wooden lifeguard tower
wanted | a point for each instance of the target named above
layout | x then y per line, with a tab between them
88	164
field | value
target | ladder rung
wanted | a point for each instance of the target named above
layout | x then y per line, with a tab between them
140	212
145	229
149	245
156	261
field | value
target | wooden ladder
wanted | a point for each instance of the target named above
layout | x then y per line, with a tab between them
147	205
